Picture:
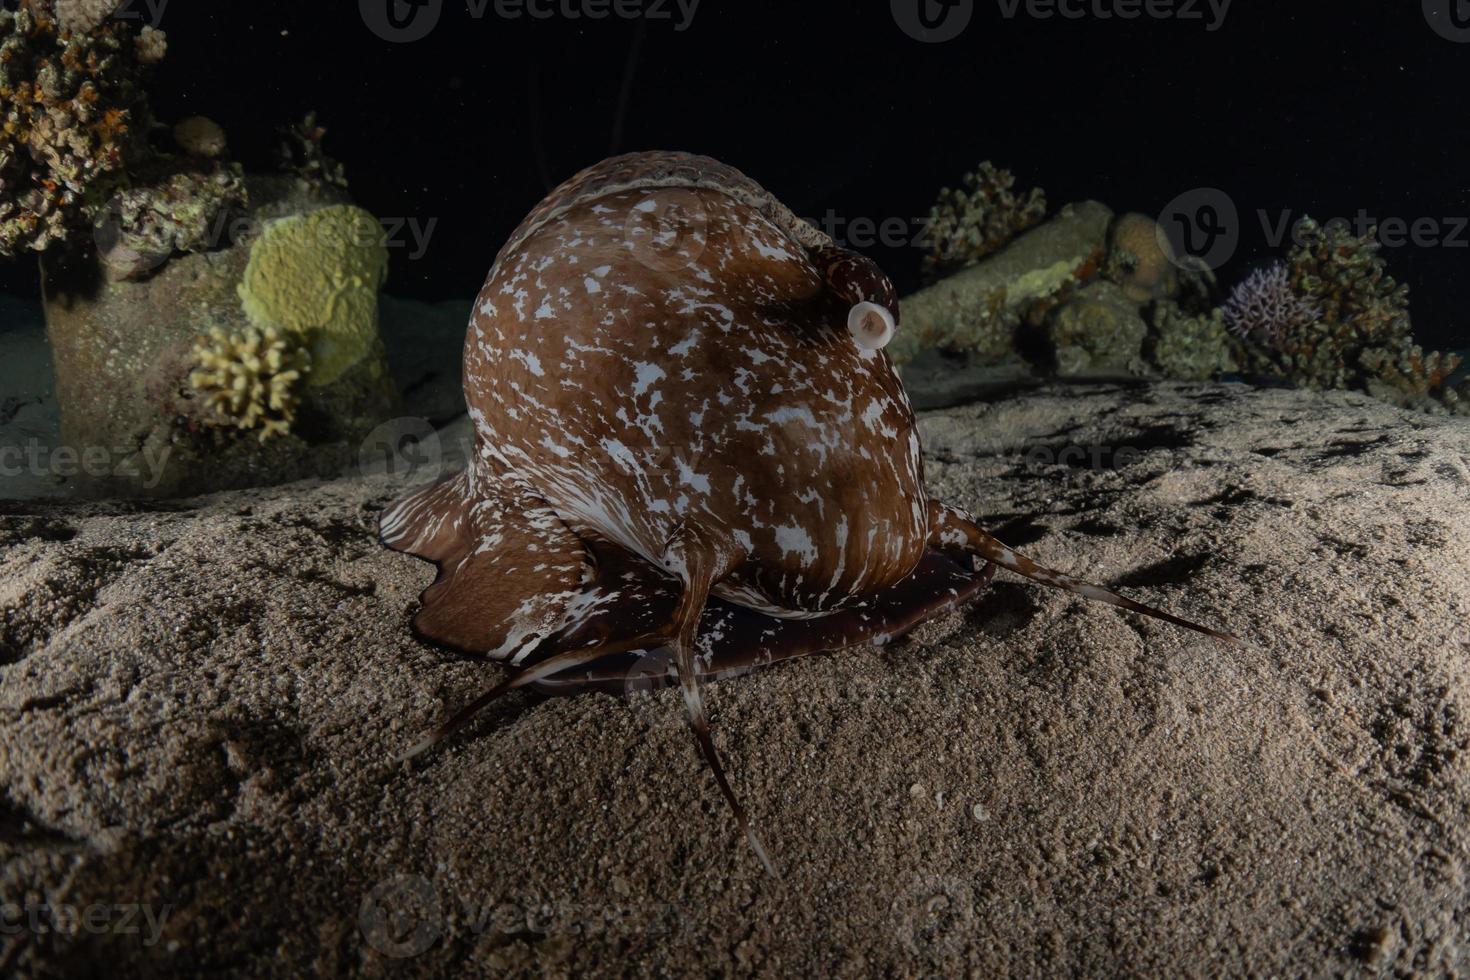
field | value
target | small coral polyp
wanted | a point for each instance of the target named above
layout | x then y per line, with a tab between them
249	379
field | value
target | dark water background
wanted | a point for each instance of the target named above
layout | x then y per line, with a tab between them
1332	109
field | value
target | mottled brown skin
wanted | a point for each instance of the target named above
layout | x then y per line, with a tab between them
686	442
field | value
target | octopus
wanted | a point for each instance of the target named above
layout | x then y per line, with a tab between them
692	455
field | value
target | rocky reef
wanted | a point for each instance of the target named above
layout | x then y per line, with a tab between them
1090	294
1332	317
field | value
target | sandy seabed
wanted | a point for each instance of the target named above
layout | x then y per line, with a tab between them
201	703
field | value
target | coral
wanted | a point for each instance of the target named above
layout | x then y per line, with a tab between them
318	275
1264	308
151	45
72	117
967	225
301	155
1188	348
1097	331
1361	335
980	309
141	227
249	379
200	137
1141	260
84	16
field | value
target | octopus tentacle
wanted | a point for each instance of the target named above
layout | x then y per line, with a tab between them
958	534
700	561
555	664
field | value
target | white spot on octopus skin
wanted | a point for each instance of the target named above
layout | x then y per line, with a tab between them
647	374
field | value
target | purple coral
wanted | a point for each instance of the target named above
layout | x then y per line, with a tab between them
1266	309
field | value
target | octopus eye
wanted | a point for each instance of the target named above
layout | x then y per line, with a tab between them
870	325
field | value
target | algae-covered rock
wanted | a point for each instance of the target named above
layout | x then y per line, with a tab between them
318	274
1097	331
978	310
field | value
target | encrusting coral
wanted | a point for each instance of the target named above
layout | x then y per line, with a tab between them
72	115
317	275
968	224
249	379
1188	347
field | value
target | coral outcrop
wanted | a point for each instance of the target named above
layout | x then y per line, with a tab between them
980	309
1332	317
73	116
249	379
968	224
1186	346
188	211
1097	332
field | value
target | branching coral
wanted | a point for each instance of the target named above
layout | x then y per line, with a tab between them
1264	308
72	116
249	379
967	225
